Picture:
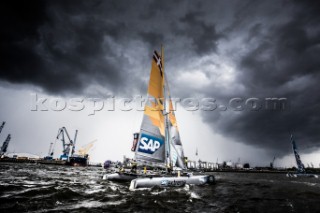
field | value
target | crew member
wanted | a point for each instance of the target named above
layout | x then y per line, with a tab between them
133	166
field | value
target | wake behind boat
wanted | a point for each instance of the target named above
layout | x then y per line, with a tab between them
158	143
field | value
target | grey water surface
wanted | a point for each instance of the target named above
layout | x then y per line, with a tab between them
52	188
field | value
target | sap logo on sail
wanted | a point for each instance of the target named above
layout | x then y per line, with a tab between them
149	144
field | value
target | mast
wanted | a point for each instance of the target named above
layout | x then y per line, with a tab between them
5	145
2	125
167	132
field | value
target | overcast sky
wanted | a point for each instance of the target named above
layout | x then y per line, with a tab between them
213	49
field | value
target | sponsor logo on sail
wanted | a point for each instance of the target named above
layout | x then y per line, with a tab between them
149	144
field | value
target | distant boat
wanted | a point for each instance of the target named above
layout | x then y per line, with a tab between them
77	160
300	166
158	143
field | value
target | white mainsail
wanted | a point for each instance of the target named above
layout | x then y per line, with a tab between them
176	149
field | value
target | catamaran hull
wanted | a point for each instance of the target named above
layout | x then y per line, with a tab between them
171	181
293	175
120	177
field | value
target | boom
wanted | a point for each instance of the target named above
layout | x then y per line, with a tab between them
85	149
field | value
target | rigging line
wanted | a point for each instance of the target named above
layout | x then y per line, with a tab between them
134	121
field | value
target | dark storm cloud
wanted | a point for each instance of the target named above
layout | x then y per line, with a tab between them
18	37
58	47
152	38
283	61
204	36
66	46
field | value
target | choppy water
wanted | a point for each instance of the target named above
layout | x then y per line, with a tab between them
50	188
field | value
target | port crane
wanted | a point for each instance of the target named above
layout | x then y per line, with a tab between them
84	150
69	146
50	152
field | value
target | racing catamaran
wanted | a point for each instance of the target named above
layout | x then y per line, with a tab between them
158	143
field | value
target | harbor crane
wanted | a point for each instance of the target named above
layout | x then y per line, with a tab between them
68	147
50	152
84	150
